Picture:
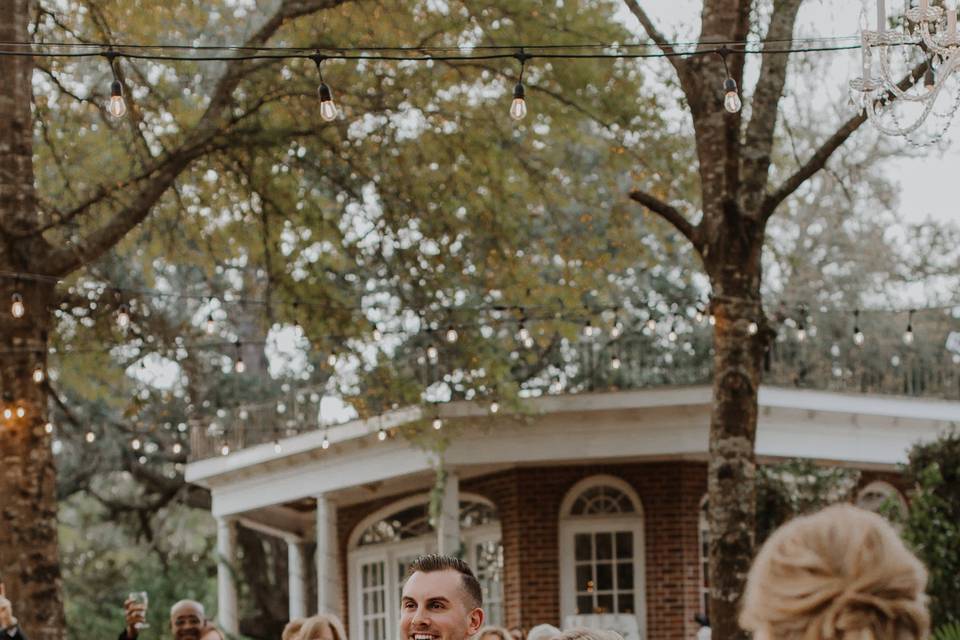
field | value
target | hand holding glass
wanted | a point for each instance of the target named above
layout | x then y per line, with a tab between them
140	600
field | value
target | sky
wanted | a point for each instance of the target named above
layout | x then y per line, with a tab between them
922	179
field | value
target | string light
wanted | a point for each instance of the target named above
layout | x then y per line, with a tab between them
698	316
712	320
135	444
518	108
617	327
452	334
328	109
225	450
651	324
523	334
672	336
437	424
90	437
16	306
753	328
326	441
588	329
615	363
239	366
908	334
858	337
801	332
432	353
332	359
123	317
177	448
494	407
377	335
21	412
7	413
38	375
731	98
276	447
381	435
48	428
211	325
117	107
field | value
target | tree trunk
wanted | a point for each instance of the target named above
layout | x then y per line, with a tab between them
735	273
29	558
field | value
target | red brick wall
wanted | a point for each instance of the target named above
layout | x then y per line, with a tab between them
529	499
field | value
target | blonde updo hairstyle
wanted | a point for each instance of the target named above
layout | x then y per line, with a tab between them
314	626
840	574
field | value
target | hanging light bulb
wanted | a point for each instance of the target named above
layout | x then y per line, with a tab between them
616	330
753	328
381	435
90	437
135	444
698	316
332	359
377	335
615	363
225	450
712	320
239	365
38	375
858	337
908	334
117	106
21	412
494	407
328	109
801	333
177	448
123	317
432	352
437	424
731	99
588	329
651	324
326	441
7	413
48	428
672	336
211	325
523	334
528	343
452	334
276	447
16	306
518	108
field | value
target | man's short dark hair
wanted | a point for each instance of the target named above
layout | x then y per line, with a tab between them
436	562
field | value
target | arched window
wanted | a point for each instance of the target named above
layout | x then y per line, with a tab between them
882	497
384	544
602	581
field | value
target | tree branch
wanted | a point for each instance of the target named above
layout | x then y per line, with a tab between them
819	159
668	213
659	40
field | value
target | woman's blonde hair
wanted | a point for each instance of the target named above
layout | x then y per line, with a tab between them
840	574
292	628
589	634
314	625
499	632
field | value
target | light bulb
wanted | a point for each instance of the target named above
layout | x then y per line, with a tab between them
123	317
437	424
452	334
7	413
16	306
332	359
651	324
277	448
494	407
672	336
908	336
90	437
326	442
135	444
801	334
328	109
48	427
21	412
381	435
211	325
588	330
753	328
377	335
38	374
225	450
858	337
518	108
615	363
731	101
698	316
712	319
117	106
240	366
616	330
523	333
432	352
528	343
177	448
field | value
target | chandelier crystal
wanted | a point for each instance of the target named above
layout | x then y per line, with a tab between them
928	34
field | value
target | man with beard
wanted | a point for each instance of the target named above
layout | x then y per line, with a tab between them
441	600
187	621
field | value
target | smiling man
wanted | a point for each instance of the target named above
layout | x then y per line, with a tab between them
441	600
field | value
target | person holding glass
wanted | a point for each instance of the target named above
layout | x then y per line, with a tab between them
187	620
9	627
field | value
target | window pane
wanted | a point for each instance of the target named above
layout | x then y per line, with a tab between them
625	576
584	604
624	544
625	603
584	579
581	543
604	577
605	603
604	546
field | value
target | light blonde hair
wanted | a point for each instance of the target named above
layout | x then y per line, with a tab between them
314	625
498	632
589	634
840	574
292	629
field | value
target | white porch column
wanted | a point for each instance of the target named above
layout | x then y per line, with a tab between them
328	558
296	577
226	576
448	529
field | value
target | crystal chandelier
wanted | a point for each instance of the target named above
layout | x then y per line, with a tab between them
929	34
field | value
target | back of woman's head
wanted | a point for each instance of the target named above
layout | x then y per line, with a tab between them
589	634
491	632
840	574
315	627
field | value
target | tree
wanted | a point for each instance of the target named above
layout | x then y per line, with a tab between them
734	161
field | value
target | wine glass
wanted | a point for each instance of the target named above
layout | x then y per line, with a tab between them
140	597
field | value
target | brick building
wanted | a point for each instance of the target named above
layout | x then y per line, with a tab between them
585	510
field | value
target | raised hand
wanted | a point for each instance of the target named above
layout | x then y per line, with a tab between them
136	614
6	610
